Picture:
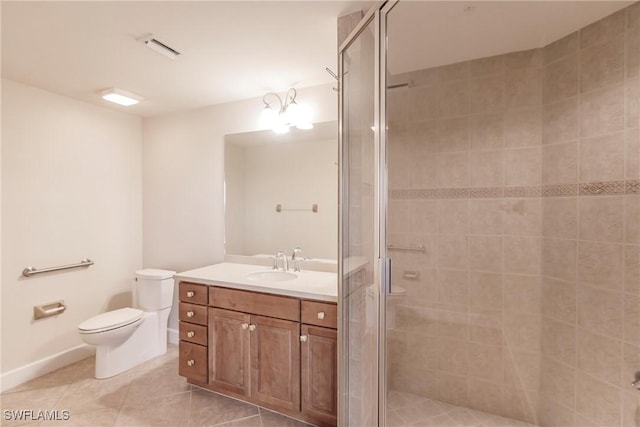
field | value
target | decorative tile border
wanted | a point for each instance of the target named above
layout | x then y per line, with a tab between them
607	188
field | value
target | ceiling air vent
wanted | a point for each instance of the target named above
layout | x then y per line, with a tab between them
152	42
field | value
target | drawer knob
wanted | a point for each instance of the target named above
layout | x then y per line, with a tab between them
191	334
321	315
245	326
303	338
252	328
190	314
190	294
191	362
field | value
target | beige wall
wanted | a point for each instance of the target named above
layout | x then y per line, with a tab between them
183	207
71	188
519	174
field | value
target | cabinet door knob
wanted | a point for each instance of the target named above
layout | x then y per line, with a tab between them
190	314
191	362
190	294
252	328
245	326
190	334
321	315
303	338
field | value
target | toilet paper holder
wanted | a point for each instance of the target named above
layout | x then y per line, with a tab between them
47	310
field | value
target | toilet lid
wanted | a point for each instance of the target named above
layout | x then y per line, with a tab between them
111	320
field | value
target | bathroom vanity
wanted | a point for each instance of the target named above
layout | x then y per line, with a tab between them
262	336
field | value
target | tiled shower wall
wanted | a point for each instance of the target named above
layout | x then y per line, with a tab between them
519	174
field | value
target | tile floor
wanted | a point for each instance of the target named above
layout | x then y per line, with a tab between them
153	394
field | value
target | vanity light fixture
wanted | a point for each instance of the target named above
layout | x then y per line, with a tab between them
120	96
289	113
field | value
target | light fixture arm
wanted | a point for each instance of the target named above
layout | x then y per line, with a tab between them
289	98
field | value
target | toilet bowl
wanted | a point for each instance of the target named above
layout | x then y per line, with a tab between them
126	337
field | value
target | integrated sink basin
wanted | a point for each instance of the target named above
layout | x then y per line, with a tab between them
271	276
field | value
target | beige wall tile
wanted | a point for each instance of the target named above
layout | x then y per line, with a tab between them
452	252
453	356
423	172
452	389
423	321
559	258
452	324
603	30
486	169
398	216
451	72
487	94
631	325
558	382
523	127
560	217
421	352
398	106
602	158
485	253
523	58
422	138
598	400
560	48
632	269
520	404
522	217
453	216
602	111
522	255
522	331
600	264
522	294
601	218
632	50
632	97
486	216
486	326
522	370
599	356
560	79
632	154
453	170
485	290
553	414
453	99
423	103
600	311
522	87
422	216
425	259
559	300
602	64
453	286
486	131
419	292
630	363
559	341
421	382
485	396
487	66
560	121
522	167
560	164
453	134
630	409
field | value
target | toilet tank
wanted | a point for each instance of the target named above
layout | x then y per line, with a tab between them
153	289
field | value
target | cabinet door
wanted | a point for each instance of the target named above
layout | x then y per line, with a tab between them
319	358
275	362
229	351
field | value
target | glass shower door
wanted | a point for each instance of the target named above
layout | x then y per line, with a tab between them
358	291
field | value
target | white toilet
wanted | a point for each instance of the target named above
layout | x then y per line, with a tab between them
127	337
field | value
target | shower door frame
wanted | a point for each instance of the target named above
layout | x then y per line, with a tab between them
382	270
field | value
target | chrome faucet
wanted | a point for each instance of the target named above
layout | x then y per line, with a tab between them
285	261
295	257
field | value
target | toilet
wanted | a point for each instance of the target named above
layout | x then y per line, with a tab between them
126	337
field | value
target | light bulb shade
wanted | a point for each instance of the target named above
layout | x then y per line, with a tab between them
304	117
268	117
293	113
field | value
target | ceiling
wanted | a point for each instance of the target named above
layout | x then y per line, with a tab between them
230	50
233	50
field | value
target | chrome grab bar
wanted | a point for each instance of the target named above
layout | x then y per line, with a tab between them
419	248
30	271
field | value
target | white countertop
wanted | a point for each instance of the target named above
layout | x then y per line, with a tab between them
317	285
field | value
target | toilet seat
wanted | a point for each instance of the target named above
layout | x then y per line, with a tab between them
111	320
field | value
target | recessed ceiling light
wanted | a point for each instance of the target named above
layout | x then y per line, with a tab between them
152	42
120	96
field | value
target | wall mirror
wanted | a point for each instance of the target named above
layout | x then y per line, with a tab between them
281	191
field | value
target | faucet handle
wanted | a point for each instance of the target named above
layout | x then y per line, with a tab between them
296	252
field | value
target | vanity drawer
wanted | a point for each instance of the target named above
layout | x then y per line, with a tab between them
194	293
193	313
193	333
320	314
192	361
255	303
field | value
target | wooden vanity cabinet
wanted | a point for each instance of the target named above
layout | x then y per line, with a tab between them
192	314
275	351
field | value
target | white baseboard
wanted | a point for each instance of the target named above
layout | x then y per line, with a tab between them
173	336
40	367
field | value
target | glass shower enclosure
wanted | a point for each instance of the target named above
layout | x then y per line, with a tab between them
490	215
